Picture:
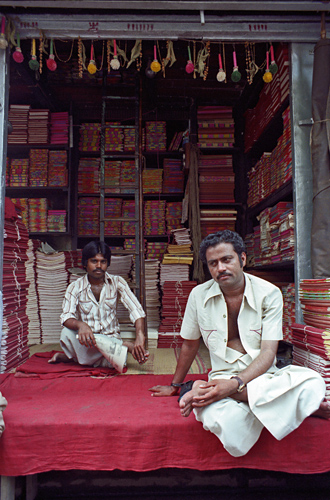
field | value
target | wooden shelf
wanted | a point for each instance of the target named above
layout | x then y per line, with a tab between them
285	191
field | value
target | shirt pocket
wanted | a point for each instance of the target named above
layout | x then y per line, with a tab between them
210	337
110	304
85	306
253	336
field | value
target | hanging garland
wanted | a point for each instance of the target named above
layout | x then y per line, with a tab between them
70	55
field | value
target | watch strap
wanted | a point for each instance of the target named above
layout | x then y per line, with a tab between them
241	384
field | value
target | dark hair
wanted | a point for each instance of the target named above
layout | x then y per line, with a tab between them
225	236
94	247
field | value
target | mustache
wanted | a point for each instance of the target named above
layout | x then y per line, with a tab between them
220	275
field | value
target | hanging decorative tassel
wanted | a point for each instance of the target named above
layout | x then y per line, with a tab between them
202	55
221	75
190	64
51	63
155	65
236	75
273	66
41	49
267	76
114	63
170	56
91	68
136	55
33	63
206	67
17	55
3	41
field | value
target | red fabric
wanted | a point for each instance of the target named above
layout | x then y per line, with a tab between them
114	423
38	366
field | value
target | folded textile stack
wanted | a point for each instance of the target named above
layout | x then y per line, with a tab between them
173	215
112	208
88	216
152	179
59	127
38	126
128	210
154	217
114	137
156	136
38	215
38	170
88	175
57	168
215	127
18	116
173	176
19	172
32	307
90	137
112	176
311	348
314	296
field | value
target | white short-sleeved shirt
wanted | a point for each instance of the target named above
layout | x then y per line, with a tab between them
80	303
259	318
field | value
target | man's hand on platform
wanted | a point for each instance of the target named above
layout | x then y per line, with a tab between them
163	390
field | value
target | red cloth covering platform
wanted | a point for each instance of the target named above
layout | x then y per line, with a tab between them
92	423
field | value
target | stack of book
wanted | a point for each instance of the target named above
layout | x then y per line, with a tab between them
18	116
57	168
154	217
156	136
173	215
90	137
173	181
38	215
56	221
216	179
59	128
88	216
311	348
19	172
217	219
174	300
38	169
128	210
88	175
152	179
215	127
15	322
114	137
38	126
112	176
112	208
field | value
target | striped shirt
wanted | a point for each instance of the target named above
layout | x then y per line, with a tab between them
80	303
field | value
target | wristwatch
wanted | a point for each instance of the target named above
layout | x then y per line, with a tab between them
241	384
177	385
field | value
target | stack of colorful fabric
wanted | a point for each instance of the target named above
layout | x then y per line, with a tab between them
57	168
38	215
112	176
173	215
127	176
314	296
156	136
216	179
90	137
129	139
114	137
128	210
174	299
18	116
311	348
215	127
88	216
277	233
156	249
152	179
59	128
38	172
217	219
14	349
173	176
19	172
88	175
154	217
22	205
112	208
38	126
56	221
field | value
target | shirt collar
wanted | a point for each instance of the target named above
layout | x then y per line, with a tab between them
86	283
215	290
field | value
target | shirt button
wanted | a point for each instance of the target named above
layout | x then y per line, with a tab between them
224	316
224	340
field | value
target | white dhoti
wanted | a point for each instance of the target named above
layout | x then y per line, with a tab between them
109	351
3	404
278	401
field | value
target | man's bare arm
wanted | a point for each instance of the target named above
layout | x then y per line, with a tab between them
187	355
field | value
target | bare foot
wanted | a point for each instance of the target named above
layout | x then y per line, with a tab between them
186	401
323	411
59	357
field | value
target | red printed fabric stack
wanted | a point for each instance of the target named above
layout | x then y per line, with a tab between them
174	301
314	296
311	348
15	322
59	128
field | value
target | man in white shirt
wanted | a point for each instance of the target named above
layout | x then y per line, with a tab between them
239	317
89	308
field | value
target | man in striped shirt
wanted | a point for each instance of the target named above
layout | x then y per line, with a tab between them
89	308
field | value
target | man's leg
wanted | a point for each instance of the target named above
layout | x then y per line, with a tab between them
74	351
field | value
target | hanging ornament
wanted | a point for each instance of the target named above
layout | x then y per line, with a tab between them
17	55
221	75
114	63
267	76
148	72
273	66
136	55
236	75
3	41
91	68
51	63
155	65
33	63
190	64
